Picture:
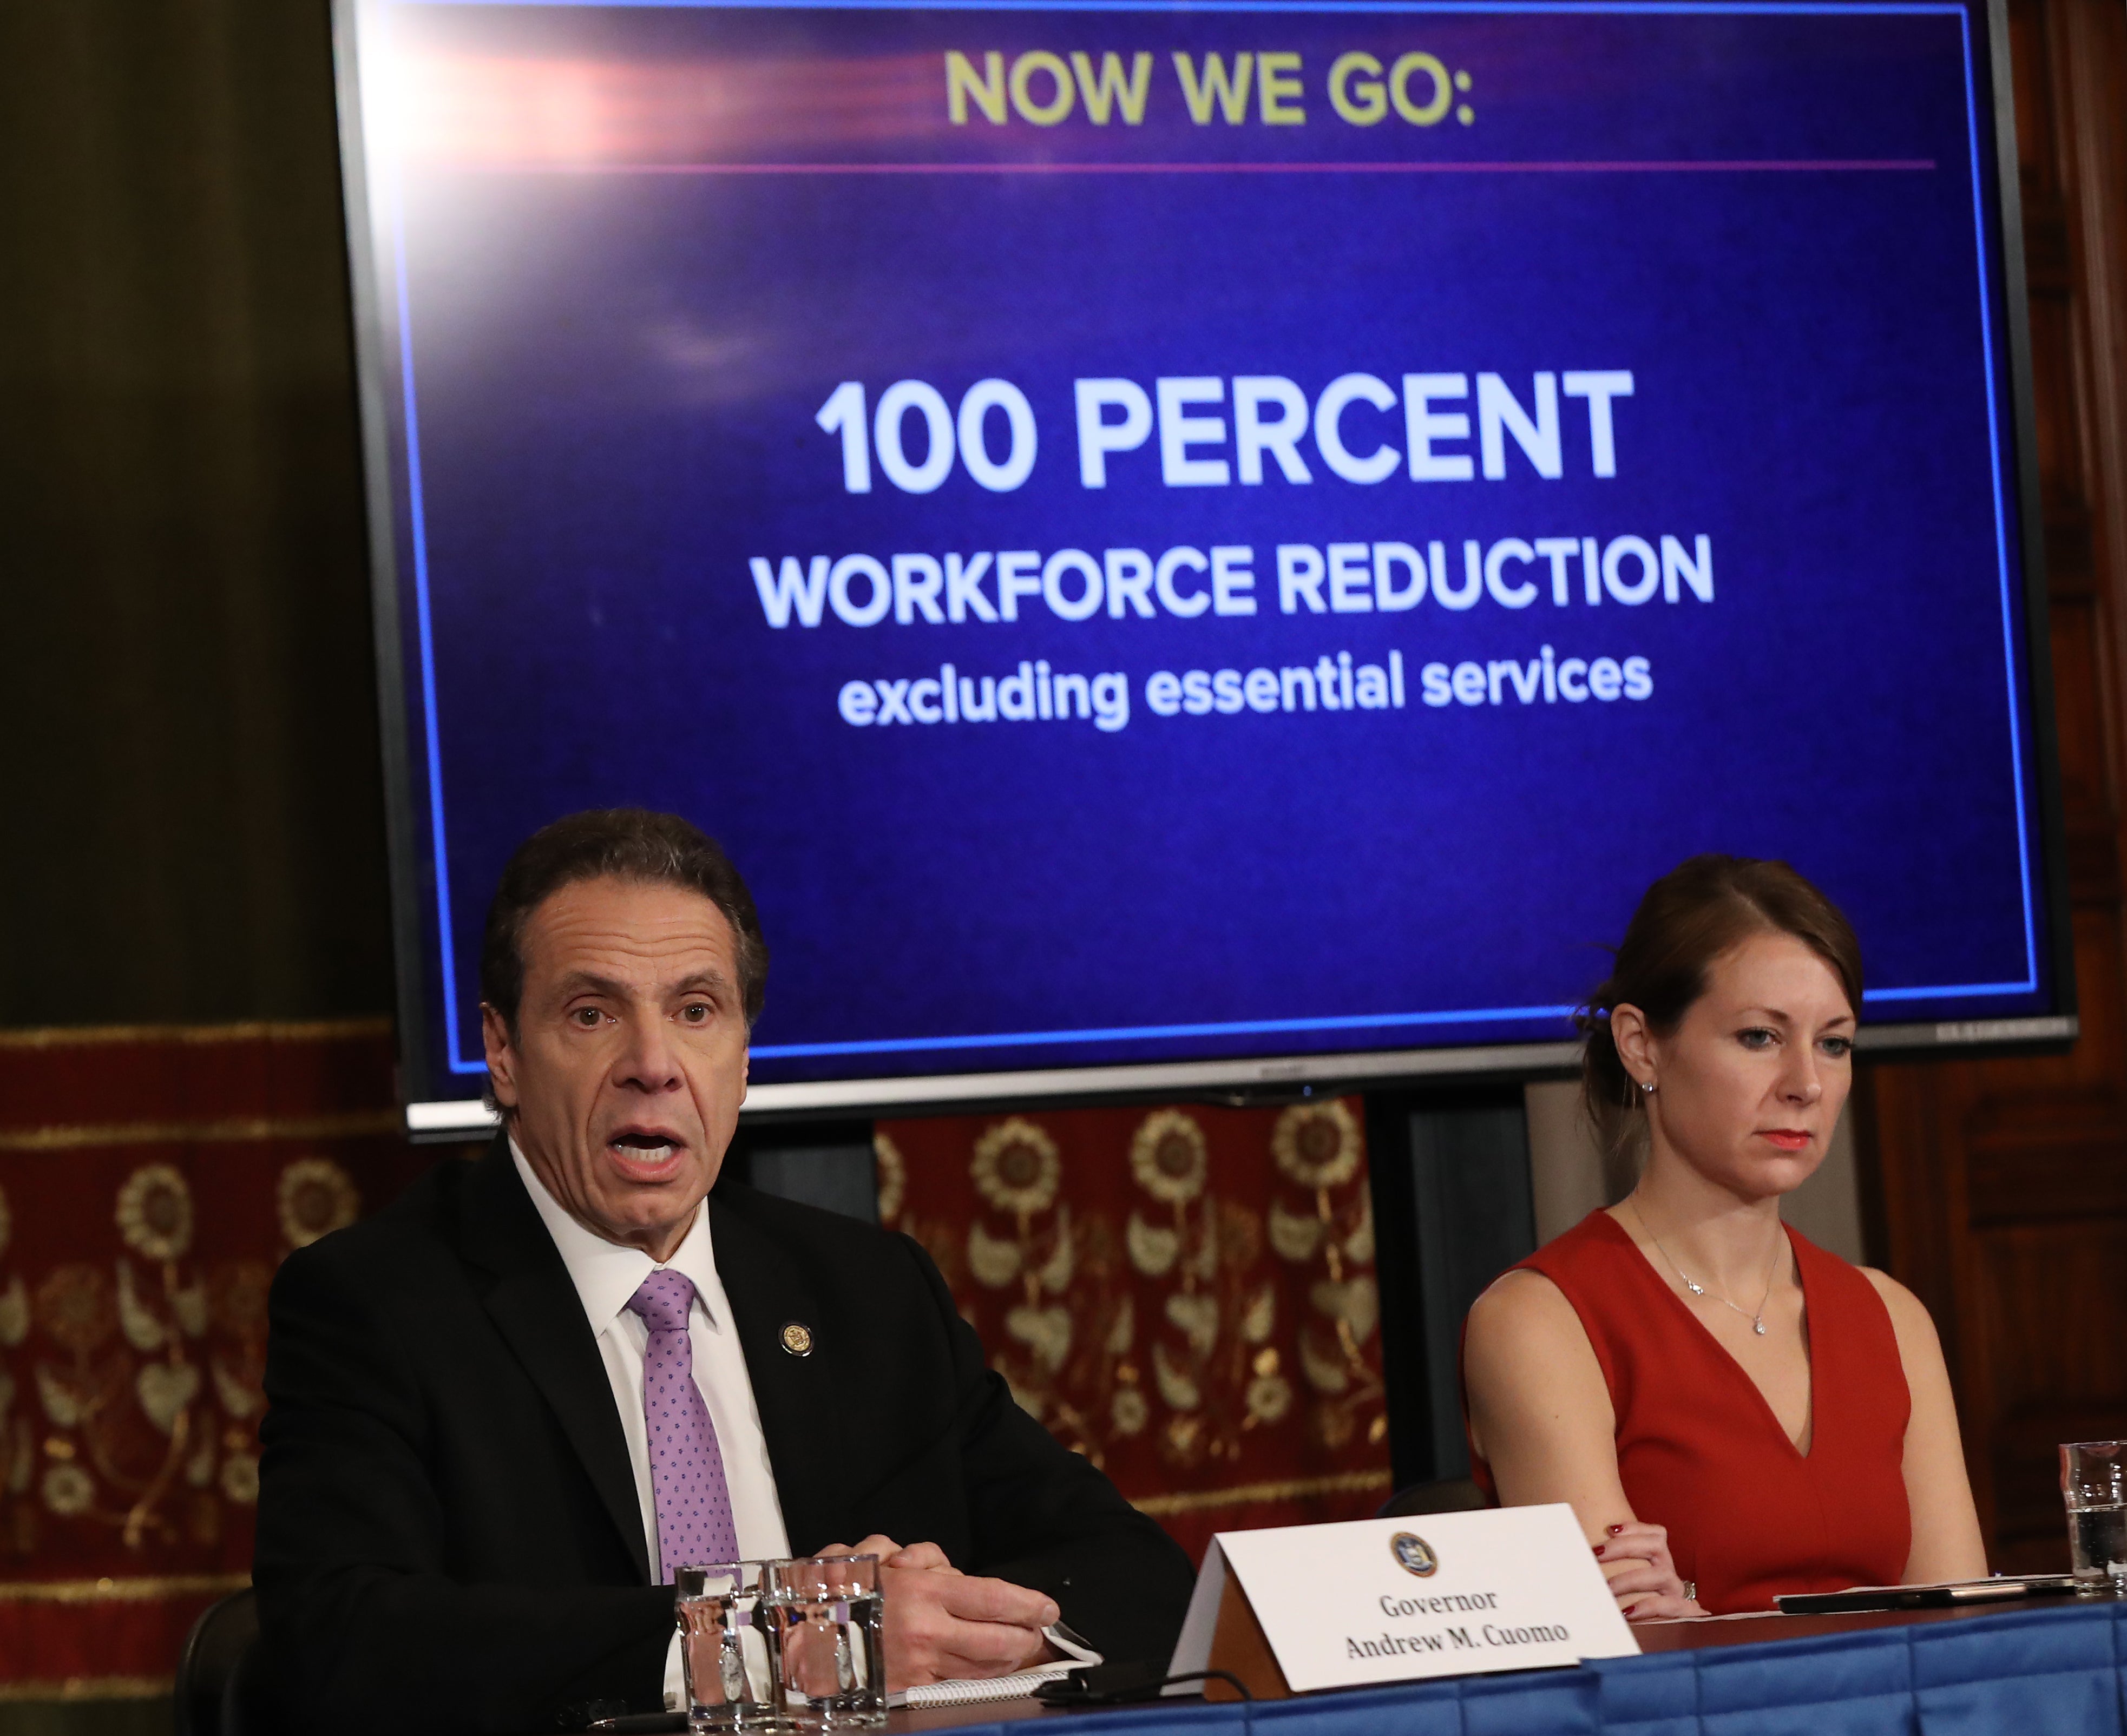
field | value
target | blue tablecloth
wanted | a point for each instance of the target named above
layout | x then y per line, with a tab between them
2038	1672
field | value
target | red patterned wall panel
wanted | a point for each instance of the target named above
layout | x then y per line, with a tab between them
150	1180
1186	1295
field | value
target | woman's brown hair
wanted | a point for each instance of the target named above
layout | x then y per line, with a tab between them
1688	918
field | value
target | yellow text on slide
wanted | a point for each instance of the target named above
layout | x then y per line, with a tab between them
1043	89
1265	88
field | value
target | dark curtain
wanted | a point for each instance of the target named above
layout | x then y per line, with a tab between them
189	787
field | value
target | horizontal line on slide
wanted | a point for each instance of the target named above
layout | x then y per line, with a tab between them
1777	165
1153	1033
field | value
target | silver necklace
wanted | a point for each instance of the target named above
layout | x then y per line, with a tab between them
1758	1319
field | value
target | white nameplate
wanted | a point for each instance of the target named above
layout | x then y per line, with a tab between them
1396	1600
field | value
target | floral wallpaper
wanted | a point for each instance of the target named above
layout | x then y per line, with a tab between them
150	1184
147	1369
1186	1295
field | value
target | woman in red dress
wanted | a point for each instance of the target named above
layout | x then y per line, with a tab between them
1732	1411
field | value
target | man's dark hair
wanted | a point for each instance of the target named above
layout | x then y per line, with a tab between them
626	844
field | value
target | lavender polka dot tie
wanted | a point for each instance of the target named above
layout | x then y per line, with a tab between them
694	1523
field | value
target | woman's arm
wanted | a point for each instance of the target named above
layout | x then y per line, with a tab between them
1540	1416
1946	1541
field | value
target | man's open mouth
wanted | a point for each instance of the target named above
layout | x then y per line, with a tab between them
645	1148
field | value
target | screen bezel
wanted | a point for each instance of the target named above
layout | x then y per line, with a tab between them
434	1114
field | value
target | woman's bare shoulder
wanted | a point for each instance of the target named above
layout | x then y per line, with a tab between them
1910	1319
1522	1308
1903	1305
1529	1366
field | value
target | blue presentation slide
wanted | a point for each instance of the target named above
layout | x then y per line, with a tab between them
1155	533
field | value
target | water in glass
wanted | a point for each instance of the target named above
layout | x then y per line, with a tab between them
828	1619
2097	1542
725	1652
2094	1489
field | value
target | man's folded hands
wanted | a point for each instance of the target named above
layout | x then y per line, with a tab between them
941	1624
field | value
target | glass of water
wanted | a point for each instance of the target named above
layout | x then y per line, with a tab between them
725	1649
826	1613
2094	1486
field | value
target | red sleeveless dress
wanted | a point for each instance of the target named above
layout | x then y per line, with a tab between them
1700	1451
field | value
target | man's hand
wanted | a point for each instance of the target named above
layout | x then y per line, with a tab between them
940	1622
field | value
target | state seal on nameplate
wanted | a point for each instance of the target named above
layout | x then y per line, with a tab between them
1414	1554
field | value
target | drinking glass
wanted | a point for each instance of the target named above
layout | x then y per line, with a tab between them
827	1614
729	1660
2094	1486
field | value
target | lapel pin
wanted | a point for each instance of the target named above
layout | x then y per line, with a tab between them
797	1338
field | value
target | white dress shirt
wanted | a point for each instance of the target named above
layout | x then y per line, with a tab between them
606	1276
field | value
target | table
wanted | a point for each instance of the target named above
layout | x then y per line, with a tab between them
2045	1670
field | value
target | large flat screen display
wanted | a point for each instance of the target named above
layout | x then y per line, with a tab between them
1207	545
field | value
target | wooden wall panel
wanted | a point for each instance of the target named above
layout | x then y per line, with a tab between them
2056	1331
1999	1187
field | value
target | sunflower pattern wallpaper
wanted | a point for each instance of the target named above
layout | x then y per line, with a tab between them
150	1185
147	1382
1186	1296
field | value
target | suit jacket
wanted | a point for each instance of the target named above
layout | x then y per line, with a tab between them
449	1535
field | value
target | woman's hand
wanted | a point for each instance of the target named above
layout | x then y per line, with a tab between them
1636	1560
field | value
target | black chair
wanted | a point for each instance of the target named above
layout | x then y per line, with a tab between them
220	1688
1452	1495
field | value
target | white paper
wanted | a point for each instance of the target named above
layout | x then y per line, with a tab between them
1401	1599
1193	1650
980	1690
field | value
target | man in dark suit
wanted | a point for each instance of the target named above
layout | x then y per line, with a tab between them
504	1410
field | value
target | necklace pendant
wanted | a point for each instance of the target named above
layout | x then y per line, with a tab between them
1758	1325
1696	1289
